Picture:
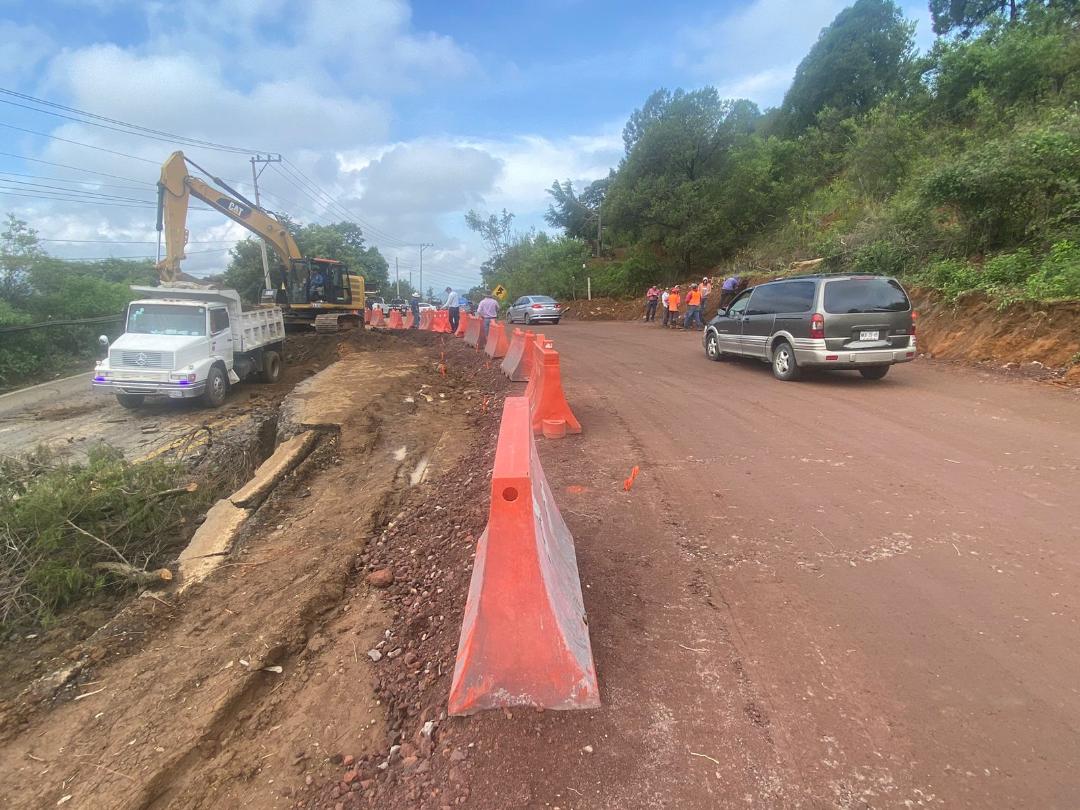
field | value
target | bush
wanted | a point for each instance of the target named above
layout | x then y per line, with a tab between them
629	276
1059	275
46	563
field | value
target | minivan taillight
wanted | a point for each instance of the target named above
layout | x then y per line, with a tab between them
914	317
817	326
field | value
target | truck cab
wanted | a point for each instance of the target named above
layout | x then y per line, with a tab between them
187	343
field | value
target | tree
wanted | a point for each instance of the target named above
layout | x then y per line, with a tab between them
577	215
19	250
862	56
965	16
342	241
494	229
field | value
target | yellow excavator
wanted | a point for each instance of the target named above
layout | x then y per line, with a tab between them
322	293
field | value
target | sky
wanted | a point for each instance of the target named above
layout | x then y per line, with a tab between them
398	116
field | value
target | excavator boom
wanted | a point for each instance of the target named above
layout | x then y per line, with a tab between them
175	189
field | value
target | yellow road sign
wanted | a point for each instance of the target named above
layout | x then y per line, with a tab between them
499	292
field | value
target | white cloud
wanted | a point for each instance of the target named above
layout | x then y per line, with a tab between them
22	49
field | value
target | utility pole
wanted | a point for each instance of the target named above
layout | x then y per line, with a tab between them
255	181
422	246
397	278
599	230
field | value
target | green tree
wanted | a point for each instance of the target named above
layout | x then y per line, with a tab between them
861	57
19	250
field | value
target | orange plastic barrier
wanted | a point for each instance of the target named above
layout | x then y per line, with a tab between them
530	351
472	332
463	324
524	640
377	318
442	322
408	320
395	320
547	402
514	365
367	316
497	345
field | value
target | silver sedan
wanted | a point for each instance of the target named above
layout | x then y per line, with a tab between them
534	309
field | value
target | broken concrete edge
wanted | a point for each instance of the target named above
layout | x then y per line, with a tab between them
283	461
209	545
291	416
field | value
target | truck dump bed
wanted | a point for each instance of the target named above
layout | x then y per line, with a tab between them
253	329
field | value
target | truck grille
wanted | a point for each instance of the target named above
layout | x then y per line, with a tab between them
129	359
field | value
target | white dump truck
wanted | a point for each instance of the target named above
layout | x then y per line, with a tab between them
183	343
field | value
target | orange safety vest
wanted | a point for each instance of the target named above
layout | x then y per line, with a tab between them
693	299
673	302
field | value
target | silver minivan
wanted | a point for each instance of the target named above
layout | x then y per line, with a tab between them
856	322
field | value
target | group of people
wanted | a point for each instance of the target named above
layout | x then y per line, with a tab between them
696	299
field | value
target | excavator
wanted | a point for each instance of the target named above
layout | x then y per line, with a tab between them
322	293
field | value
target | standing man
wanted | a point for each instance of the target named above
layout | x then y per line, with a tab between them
728	290
693	307
664	302
706	288
453	306
488	309
673	301
414	305
652	298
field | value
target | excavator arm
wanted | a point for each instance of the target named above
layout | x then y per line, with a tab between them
176	187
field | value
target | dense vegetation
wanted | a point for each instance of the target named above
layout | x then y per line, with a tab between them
36	287
958	169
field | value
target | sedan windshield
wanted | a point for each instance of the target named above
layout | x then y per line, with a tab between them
166	319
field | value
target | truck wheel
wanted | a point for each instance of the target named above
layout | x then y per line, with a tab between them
271	367
784	365
130	401
217	387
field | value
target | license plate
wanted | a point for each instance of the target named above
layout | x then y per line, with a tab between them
868	335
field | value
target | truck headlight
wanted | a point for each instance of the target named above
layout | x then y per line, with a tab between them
183	376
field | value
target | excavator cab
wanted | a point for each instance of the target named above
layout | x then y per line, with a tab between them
315	282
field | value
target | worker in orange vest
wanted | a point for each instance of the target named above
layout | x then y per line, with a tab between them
673	307
693	308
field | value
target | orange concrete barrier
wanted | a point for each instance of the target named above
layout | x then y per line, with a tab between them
409	321
463	324
515	365
524	640
378	320
497	344
442	322
395	321
547	402
473	334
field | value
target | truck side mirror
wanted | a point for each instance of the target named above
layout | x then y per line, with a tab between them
103	341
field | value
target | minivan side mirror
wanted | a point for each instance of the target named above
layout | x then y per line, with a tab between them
721	313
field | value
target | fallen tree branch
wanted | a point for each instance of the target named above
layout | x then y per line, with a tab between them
140	576
96	539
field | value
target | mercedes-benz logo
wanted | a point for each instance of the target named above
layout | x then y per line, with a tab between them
140	359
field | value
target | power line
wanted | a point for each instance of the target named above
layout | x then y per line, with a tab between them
69	199
76	168
132	242
65	180
128	128
76	143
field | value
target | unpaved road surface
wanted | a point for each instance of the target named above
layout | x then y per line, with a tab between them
68	416
833	593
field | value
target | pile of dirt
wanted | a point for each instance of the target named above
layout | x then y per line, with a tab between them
605	309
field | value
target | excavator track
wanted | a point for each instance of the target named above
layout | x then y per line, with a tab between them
328	324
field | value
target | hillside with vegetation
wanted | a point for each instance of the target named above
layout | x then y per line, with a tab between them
957	169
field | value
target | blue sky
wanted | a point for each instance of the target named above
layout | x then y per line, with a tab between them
405	114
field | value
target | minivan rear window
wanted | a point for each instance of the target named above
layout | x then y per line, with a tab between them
865	295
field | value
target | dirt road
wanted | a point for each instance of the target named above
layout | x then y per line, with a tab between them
830	593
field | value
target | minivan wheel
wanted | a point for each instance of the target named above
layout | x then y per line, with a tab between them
874	372
784	365
712	347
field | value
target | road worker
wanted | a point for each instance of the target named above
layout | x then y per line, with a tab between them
728	290
674	299
705	288
664	296
693	308
652	298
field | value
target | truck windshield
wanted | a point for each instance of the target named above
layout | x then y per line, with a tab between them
166	319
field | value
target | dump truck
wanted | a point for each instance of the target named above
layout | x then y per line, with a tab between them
185	343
